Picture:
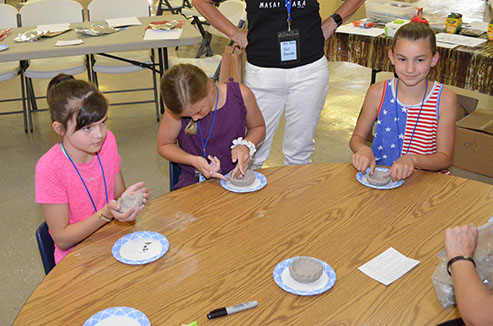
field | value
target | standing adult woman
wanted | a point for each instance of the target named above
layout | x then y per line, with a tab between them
286	69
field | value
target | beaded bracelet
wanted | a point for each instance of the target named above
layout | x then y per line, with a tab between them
456	258
240	141
104	218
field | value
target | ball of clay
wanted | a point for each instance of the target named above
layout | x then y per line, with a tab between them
305	269
131	201
377	178
244	181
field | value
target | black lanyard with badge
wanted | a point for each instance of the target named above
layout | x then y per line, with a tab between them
289	41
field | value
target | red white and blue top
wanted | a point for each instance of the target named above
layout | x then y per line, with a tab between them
405	129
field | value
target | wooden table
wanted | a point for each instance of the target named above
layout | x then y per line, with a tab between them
224	247
469	68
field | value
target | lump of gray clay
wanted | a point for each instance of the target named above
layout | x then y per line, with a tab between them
377	178
131	201
244	181
305	269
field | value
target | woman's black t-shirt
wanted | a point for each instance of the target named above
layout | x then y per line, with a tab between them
267	18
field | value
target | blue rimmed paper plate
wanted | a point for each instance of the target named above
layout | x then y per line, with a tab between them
3	47
391	185
287	283
118	316
140	248
258	184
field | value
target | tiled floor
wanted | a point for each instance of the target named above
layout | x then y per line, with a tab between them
135	128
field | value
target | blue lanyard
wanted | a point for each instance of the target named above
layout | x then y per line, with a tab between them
288	7
87	189
212	126
419	113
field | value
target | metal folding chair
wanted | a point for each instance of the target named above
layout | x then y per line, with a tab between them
234	10
39	12
126	61
12	69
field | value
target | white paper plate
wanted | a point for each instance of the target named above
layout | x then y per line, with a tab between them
140	248
3	47
258	184
287	283
118	316
391	185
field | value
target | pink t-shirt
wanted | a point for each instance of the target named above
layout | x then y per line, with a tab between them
57	182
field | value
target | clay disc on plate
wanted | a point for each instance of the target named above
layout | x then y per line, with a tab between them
244	181
305	269
377	178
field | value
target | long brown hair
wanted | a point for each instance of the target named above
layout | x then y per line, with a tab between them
181	86
68	96
416	31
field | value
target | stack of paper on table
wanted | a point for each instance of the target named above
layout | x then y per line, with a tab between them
127	21
173	34
389	266
456	40
350	29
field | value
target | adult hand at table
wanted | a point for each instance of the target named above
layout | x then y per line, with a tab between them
363	158
461	240
402	168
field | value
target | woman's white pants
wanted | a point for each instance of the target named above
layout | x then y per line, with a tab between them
299	92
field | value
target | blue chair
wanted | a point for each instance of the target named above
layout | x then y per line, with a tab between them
174	174
46	247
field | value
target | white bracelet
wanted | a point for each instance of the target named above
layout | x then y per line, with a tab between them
240	141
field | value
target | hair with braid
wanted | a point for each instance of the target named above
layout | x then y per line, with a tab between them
181	86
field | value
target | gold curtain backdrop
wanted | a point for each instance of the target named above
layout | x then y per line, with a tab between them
469	68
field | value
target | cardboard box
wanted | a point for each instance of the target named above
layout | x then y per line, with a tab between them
465	105
473	150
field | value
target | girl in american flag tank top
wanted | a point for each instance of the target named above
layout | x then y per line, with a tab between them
414	117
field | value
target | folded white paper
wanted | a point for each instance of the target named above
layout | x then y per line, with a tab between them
482	26
68	42
460	39
389	266
350	29
127	21
54	28
173	34
447	45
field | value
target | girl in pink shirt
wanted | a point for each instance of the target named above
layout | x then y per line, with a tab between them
78	179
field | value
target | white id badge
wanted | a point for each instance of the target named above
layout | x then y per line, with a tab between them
289	45
199	176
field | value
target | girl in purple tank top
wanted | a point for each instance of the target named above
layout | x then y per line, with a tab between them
208	129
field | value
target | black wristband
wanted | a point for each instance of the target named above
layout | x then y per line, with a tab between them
456	258
337	18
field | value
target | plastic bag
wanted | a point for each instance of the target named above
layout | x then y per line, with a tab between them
444	287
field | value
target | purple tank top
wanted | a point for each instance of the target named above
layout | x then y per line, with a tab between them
230	124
